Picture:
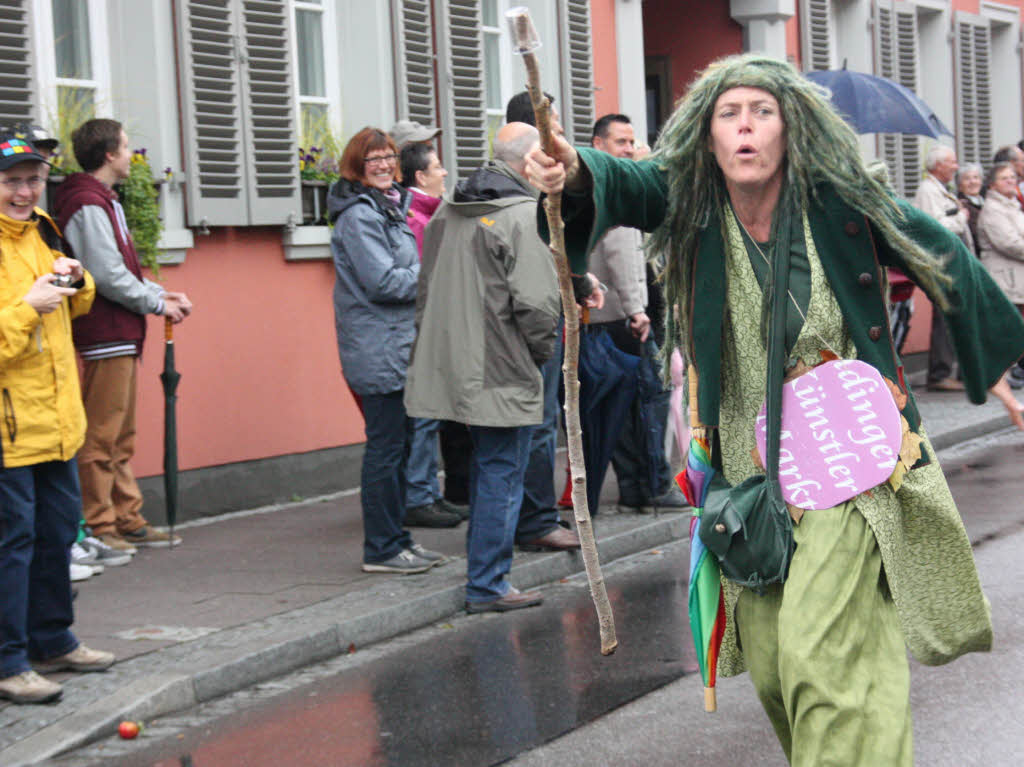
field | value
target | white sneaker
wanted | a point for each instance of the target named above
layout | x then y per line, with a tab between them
80	572
105	555
80	556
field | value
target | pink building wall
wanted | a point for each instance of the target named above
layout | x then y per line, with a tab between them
605	47
259	364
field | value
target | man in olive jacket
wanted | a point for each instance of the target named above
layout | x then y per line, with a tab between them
486	314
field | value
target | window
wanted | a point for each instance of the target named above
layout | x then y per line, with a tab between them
16	98
497	89
817	30
463	104
239	112
73	70
897	59
476	73
314	120
974	90
414	61
577	70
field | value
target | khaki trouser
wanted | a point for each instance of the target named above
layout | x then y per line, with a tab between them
110	495
826	652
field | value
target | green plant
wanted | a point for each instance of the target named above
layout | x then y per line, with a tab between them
139	198
318	161
74	107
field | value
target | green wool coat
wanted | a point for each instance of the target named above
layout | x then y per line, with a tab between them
927	556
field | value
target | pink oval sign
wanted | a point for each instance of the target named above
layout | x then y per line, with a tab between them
841	434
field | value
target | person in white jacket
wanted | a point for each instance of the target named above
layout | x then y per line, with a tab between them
934	198
1001	232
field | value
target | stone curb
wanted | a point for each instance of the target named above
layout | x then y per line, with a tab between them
242	656
955	436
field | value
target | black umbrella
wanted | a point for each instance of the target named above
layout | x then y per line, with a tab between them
652	404
170	378
608	384
872	104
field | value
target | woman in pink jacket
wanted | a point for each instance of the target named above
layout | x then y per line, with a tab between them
423	175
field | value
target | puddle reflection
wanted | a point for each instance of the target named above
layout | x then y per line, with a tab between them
500	685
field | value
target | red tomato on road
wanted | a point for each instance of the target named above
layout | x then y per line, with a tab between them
128	730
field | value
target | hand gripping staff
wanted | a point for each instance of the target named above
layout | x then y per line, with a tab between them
524	38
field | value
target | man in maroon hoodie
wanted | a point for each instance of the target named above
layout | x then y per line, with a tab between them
110	338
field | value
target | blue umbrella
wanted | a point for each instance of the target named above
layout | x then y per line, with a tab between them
874	104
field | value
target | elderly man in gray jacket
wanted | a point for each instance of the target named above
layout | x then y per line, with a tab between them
486	314
934	198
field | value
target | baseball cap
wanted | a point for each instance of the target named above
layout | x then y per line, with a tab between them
409	132
40	137
15	149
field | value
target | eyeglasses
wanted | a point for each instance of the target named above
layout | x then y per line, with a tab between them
386	159
14	184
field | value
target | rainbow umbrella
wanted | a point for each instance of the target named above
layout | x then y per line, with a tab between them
705	603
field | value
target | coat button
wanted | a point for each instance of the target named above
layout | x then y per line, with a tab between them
864	279
719	528
875	333
852	228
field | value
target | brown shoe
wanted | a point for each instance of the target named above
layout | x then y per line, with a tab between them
513	600
946	384
117	543
147	535
79	659
29	687
558	539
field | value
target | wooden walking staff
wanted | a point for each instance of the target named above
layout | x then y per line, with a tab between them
525	41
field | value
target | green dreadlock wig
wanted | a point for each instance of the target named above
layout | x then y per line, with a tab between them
820	147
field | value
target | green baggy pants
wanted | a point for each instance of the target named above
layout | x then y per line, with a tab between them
825	650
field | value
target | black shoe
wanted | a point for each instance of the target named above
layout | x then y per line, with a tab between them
462	509
431	516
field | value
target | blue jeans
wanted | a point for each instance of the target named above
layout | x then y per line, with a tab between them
495	495
382	489
40	506
538	515
421	485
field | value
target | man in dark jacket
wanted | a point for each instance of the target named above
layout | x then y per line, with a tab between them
109	339
477	353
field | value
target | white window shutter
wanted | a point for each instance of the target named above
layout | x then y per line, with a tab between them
414	61
577	110
269	110
216	185
897	57
973	89
16	95
817	32
464	116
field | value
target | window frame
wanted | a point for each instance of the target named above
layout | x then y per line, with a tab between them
332	65
46	60
506	86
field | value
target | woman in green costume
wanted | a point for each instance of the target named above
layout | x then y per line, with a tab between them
751	143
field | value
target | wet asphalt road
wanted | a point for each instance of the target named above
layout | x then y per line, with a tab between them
484	689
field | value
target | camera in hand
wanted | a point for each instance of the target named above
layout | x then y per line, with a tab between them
62	280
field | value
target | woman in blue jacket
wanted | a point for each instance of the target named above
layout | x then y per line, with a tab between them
377	267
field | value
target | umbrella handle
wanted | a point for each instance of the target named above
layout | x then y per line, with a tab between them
168	329
691	377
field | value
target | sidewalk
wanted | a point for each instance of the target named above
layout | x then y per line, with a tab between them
253	595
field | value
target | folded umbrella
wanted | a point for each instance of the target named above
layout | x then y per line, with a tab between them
170	378
872	104
705	603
